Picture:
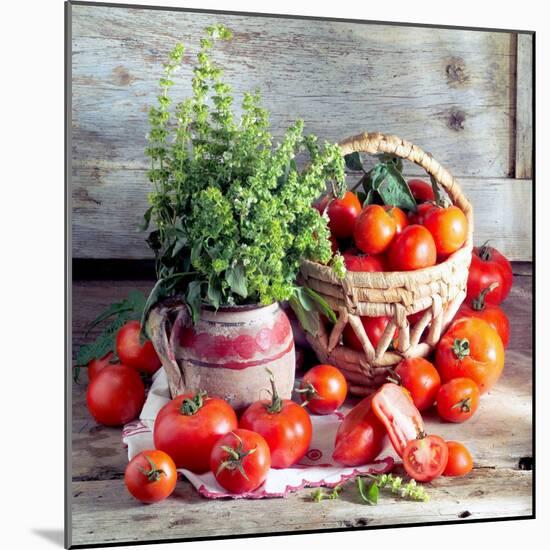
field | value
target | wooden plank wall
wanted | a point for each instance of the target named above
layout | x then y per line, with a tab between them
465	96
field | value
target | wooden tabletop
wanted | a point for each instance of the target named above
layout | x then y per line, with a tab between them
499	437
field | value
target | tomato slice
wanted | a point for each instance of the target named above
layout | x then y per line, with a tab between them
395	409
425	458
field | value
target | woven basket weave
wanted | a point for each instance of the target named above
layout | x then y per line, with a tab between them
438	290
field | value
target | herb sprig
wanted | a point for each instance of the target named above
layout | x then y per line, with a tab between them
232	209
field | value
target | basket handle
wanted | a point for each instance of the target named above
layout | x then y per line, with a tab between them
376	142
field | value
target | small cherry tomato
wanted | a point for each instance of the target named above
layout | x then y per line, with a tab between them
188	426
422	380
240	461
95	366
361	437
401	220
394	407
458	400
324	389
425	458
471	348
342	213
489	266
421	190
448	227
460	460
151	476
374	229
115	395
284	424
493	315
363	262
132	352
413	249
374	327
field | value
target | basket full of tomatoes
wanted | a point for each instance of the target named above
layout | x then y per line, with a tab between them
406	268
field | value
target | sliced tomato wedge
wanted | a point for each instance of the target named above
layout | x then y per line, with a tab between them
394	408
426	458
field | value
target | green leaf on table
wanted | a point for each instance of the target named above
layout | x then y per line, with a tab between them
353	162
395	191
236	279
368	493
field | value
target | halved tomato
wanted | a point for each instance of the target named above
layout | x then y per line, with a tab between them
425	458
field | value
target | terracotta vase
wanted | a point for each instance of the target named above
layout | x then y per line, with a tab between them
227	352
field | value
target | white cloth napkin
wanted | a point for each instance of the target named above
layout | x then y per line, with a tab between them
315	469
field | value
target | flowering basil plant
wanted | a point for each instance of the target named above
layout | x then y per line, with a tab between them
232	211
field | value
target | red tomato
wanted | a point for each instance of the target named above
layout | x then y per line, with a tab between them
342	213
395	409
188	426
333	243
421	379
458	400
361	437
413	249
471	348
151	476
240	461
132	353
374	229
324	388
95	366
374	327
115	395
421	190
491	314
460	460
401	220
448	227
425	458
363	262
417	218
489	266
284	424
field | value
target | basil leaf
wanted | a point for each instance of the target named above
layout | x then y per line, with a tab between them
236	280
193	299
369	494
308	319
214	292
395	191
320	304
144	225
353	162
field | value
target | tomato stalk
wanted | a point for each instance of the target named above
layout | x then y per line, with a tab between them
464	405
154	473
461	348
478	304
484	252
236	456
276	404
191	406
310	393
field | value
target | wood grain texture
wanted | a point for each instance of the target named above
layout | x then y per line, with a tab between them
450	91
499	437
106	216
524	106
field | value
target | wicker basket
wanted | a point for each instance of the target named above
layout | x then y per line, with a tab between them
438	290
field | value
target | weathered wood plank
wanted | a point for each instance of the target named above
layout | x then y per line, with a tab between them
107	213
104	512
340	77
524	106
